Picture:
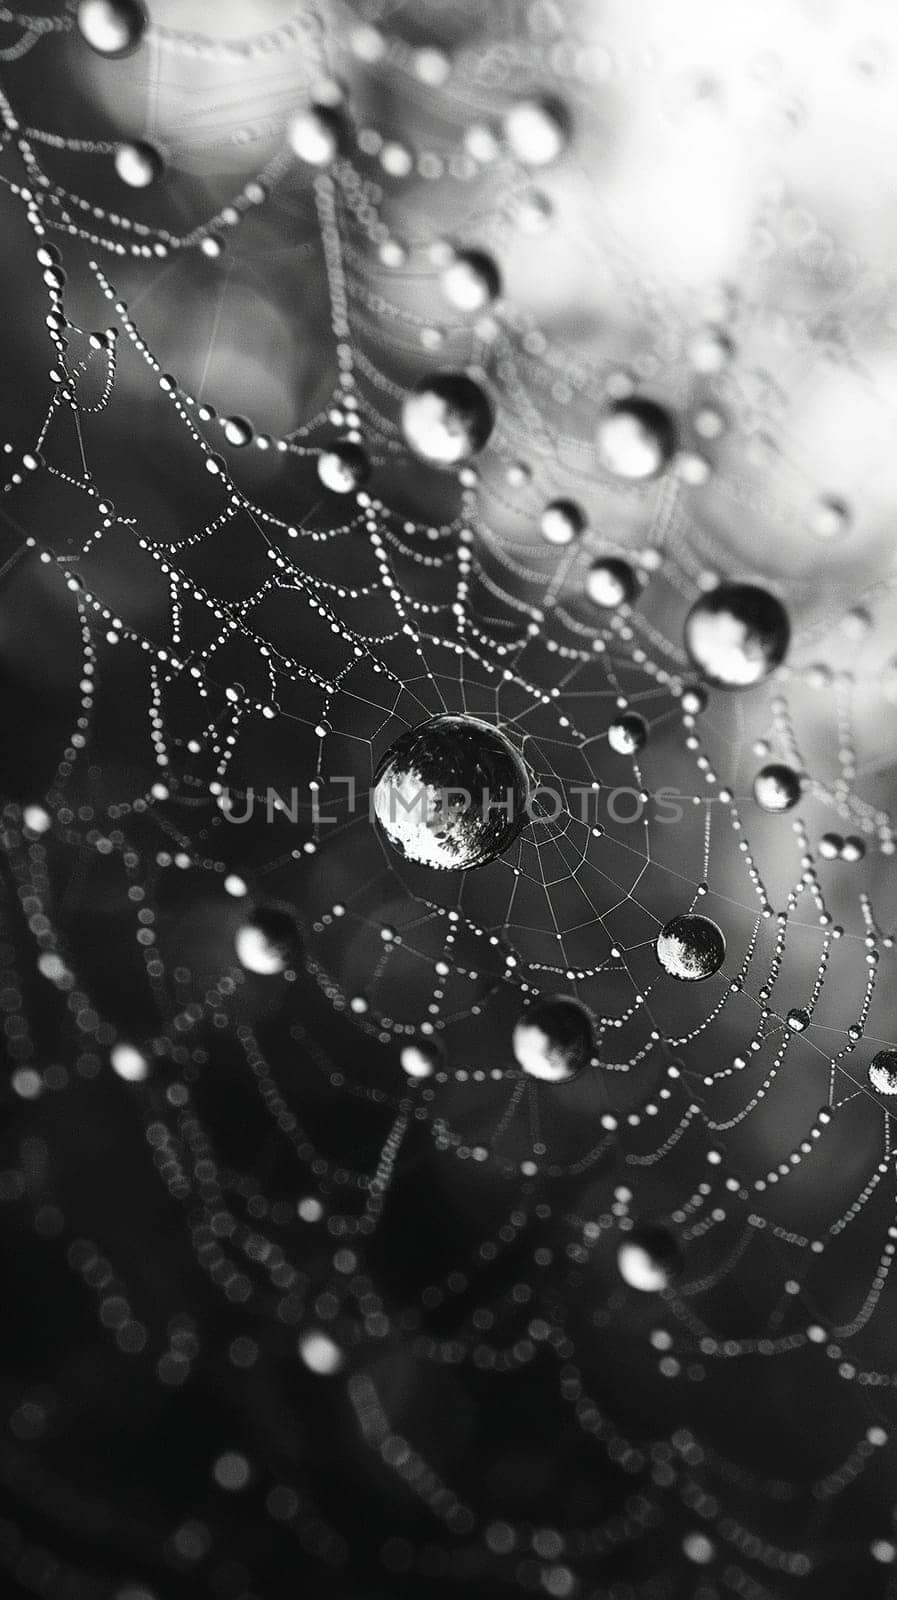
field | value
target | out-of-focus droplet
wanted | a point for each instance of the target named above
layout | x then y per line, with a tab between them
537	131
232	1471
238	431
447	418
776	787
421	1058
314	135
344	468
736	635
267	942
561	522
138	164
552	1041
691	948
636	439
611	582
829	518
320	1353
649	1259
36	819
470	281
112	28
694	700
128	1062
710	350
627	734
532	213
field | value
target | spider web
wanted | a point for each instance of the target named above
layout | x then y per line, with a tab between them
235	632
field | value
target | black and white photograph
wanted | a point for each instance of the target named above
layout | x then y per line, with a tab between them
448	800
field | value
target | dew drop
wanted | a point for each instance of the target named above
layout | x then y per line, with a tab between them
537	131
611	582
113	28
636	439
562	521
552	1041
447	418
238	431
627	734
691	948
267	942
776	788
451	793
314	135
649	1259
882	1072
736	635
344	468
137	164
470	281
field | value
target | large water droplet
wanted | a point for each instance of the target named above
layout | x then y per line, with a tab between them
553	1039
137	164
470	282
627	734
562	521
736	635
649	1259
611	583
690	948
267	942
537	131
451	793
344	468
636	439
776	787
112	28
314	135
421	1058
882	1072
238	431
447	418
128	1062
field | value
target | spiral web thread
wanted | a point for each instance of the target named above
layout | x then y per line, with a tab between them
463	614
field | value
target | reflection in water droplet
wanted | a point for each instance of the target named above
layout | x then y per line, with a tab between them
691	948
137	164
882	1072
636	439
611	583
537	131
112	28
553	1039
451	793
447	418
562	521
344	468
267	942
470	282
736	635
627	734
776	787
649	1259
